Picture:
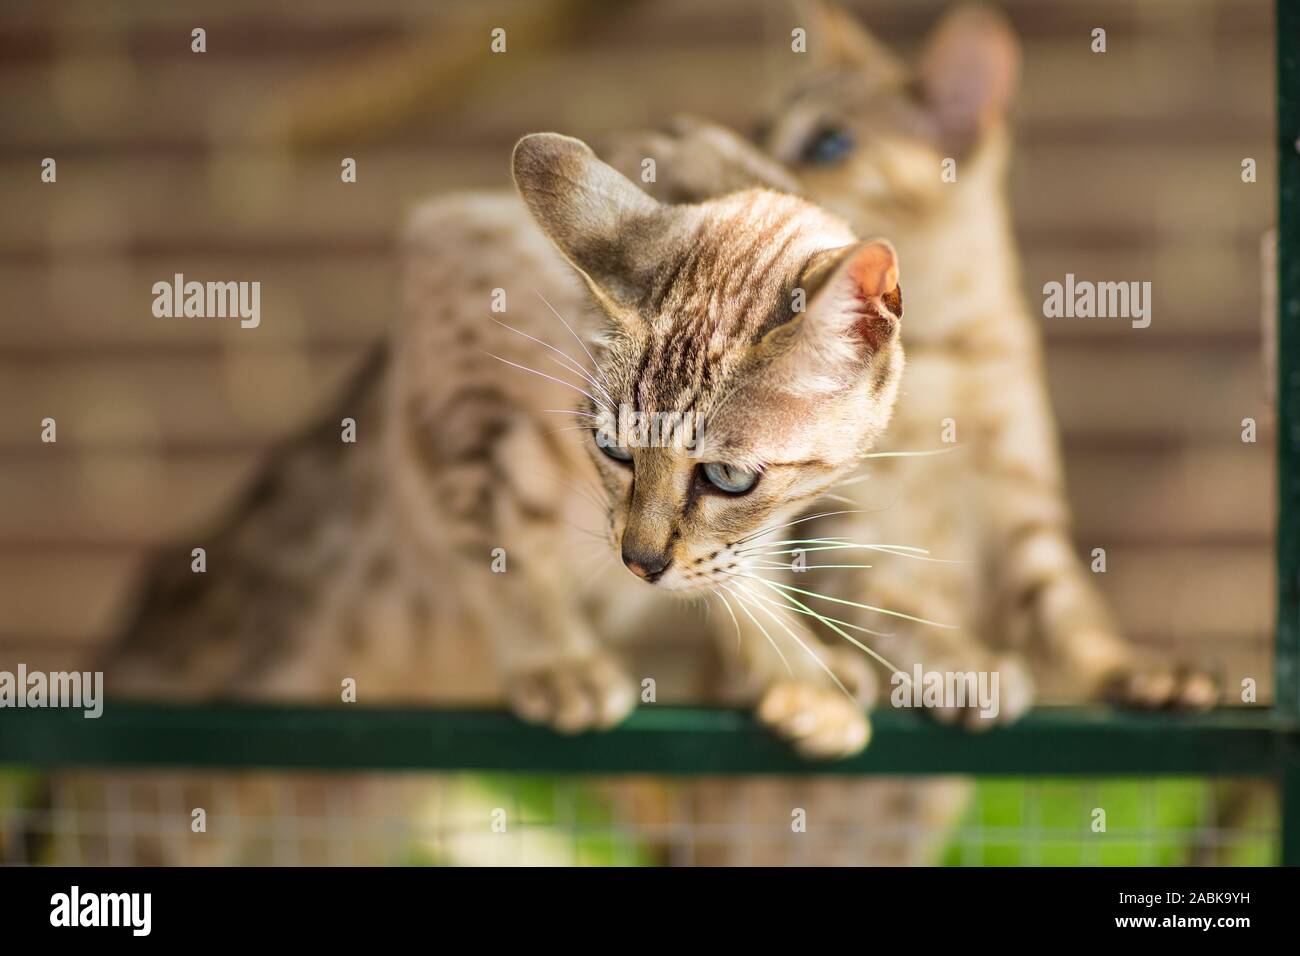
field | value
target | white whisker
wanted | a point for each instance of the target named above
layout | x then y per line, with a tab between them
729	611
778	527
784	566
594	384
559	381
883	549
840	498
581	344
810	652
857	604
847	637
820	616
573	365
911	454
740	602
570	411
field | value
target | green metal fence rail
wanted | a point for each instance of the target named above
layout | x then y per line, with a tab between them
1239	742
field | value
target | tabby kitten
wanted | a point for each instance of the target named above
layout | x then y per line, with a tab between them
757	324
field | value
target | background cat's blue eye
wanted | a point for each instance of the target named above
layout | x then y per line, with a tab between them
734	481
608	443
828	145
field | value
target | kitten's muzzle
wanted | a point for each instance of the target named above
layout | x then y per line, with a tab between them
645	565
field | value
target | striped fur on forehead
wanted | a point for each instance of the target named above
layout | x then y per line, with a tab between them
730	282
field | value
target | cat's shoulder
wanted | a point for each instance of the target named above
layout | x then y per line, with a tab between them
486	229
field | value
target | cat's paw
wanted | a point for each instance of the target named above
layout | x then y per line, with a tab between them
822	723
573	694
1003	702
1161	687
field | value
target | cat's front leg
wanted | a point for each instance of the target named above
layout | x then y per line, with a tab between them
553	670
572	694
822	722
1045	593
515	574
1078	633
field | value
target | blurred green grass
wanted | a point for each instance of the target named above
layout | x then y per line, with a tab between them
1159	822
560	822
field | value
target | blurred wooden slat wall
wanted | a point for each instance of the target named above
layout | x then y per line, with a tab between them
1127	168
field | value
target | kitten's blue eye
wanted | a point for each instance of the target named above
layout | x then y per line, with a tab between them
728	478
607	442
830	144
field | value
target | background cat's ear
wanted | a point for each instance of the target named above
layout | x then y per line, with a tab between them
969	71
602	223
838	39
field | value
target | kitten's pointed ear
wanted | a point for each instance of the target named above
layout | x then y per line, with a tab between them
854	292
838	39
601	222
969	71
850	328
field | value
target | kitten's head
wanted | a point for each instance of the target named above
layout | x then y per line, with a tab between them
867	132
748	355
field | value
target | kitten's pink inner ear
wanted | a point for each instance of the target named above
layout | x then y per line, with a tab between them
874	272
874	269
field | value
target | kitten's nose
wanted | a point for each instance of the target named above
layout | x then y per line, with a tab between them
645	566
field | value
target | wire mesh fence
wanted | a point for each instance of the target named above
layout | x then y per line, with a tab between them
473	819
